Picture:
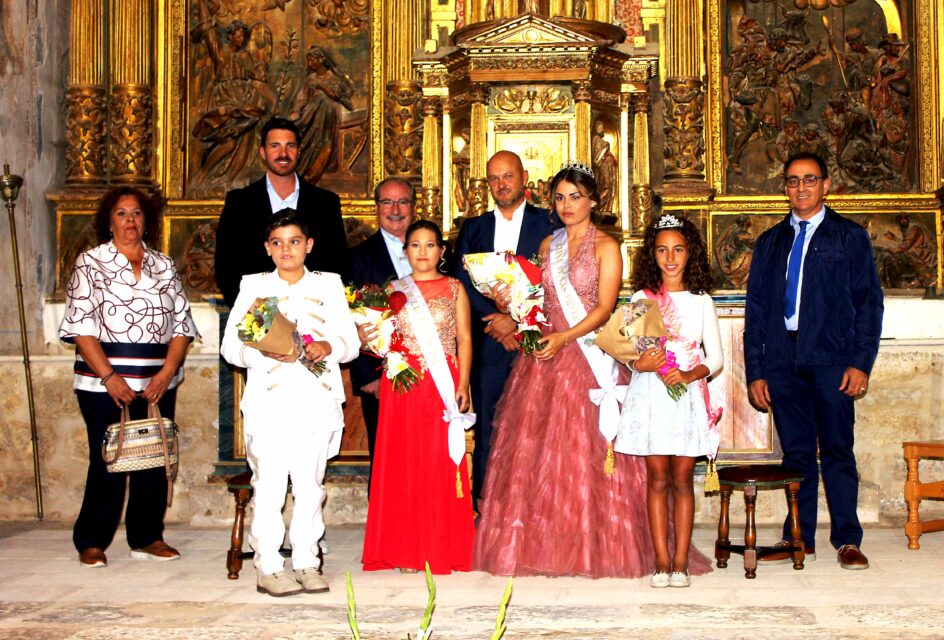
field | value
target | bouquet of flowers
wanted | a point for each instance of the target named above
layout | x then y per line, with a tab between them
523	279
265	328
374	304
675	391
633	328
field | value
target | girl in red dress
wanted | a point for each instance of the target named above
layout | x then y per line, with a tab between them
420	504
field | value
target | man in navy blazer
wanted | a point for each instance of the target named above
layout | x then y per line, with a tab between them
376	260
812	326
240	235
514	225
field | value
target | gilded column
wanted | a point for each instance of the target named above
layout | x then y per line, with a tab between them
684	97
432	162
403	118
130	108
478	149
86	113
642	189
582	121
446	177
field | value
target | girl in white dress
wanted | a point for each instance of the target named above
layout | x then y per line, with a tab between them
672	429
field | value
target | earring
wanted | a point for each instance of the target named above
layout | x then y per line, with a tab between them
442	265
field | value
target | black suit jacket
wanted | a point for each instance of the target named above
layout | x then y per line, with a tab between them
369	264
477	235
241	233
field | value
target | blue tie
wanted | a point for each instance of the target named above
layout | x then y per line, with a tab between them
793	272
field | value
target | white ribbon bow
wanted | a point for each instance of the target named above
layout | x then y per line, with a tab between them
608	399
459	423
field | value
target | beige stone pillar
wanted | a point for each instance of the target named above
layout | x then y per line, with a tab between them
684	97
86	110
403	118
130	108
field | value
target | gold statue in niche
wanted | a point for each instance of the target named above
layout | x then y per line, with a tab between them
316	113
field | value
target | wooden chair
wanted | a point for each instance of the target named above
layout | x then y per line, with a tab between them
750	478
241	489
916	491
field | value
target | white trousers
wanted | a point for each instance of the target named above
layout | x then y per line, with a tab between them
273	458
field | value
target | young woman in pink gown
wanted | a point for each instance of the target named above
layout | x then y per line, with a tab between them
550	507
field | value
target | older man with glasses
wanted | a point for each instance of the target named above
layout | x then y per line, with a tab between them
812	326
376	260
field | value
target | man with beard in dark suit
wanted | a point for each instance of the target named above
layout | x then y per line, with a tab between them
240	235
376	260
515	225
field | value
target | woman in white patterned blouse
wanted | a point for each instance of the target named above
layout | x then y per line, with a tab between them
130	320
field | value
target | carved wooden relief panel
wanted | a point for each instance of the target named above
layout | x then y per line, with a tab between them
305	60
834	78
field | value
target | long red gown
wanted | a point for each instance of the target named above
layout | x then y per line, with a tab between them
549	508
415	515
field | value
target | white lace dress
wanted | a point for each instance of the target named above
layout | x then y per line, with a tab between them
652	423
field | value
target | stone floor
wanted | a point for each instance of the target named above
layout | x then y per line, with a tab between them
44	595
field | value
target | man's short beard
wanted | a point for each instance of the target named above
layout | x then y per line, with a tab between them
514	198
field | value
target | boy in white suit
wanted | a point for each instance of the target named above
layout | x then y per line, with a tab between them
293	419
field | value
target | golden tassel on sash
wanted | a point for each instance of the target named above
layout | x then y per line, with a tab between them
711	478
609	466
459	493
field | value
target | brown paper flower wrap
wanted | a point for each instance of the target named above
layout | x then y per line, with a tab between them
633	328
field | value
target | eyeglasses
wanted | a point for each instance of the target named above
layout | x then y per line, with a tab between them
810	181
402	202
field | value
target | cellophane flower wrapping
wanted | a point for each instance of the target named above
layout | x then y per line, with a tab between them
523	279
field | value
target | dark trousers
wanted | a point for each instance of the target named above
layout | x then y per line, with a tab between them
809	408
488	383
370	407
105	492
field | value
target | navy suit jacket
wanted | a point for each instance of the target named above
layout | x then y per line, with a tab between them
370	264
841	303
241	233
477	235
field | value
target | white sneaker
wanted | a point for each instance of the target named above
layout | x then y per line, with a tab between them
278	585
659	580
311	580
680	579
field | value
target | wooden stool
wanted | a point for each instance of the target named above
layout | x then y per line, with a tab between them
241	489
750	478
916	491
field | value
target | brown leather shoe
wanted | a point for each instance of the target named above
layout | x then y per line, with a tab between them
786	555
92	558
158	551
851	558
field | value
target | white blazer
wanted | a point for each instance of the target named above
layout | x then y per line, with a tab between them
286	397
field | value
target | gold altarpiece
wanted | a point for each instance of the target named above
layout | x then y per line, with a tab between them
171	94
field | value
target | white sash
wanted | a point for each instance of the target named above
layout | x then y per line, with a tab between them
428	339
605	370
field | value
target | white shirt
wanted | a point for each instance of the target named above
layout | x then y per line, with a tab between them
276	201
793	322
397	255
507	231
132	319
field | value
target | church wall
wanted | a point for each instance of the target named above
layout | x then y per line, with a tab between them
34	40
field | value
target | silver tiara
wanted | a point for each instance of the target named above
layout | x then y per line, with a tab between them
577	166
668	221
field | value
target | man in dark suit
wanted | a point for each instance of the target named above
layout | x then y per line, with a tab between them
240	235
813	321
515	225
374	261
